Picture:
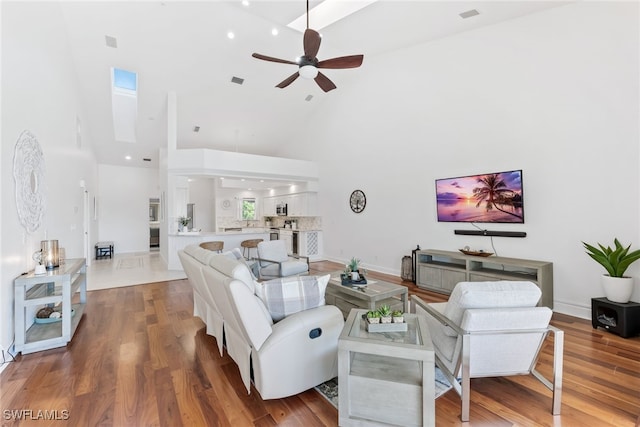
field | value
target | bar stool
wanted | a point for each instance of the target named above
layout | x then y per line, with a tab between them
213	246
247	245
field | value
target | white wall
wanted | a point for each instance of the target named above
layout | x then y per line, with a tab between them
554	93
123	206
31	61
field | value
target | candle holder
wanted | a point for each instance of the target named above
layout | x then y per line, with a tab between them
50	254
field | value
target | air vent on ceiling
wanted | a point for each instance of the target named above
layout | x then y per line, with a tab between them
309	98
146	159
469	13
237	80
196	128
111	41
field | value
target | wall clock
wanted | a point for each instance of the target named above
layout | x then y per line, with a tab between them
357	201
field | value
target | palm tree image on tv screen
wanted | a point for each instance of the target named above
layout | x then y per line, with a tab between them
493	197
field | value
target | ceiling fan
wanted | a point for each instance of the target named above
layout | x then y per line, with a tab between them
308	63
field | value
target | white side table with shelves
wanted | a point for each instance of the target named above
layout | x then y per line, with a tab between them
57	286
440	271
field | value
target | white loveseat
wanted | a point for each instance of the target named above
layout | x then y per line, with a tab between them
285	357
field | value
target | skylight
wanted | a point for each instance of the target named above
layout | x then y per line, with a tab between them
124	104
125	79
328	12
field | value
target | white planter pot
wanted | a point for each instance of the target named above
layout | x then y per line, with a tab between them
617	289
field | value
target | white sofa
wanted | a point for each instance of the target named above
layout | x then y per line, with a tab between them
286	357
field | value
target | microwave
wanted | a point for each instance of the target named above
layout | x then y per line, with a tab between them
281	209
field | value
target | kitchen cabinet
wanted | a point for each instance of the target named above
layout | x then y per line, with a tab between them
268	206
287	236
303	204
310	245
298	204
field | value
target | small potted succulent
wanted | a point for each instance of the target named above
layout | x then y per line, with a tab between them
373	316
397	316
385	314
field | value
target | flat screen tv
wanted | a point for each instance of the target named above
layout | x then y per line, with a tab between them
491	197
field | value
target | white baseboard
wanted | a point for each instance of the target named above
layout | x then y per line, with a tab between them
376	268
572	309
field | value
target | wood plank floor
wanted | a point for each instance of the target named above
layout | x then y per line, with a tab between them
139	358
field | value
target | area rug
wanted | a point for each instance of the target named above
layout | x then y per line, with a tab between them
128	263
329	389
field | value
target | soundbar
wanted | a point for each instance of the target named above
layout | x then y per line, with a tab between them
491	233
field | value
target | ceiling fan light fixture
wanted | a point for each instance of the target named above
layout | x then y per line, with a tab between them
308	71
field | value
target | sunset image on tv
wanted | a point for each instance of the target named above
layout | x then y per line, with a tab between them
493	197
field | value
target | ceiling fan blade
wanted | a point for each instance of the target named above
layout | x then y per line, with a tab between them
286	82
272	59
352	61
324	82
311	43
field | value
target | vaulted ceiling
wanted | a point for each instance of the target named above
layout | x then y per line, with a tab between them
184	47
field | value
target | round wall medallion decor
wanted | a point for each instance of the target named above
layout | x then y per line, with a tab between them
357	201
28	173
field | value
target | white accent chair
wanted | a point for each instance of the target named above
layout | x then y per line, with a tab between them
276	262
491	329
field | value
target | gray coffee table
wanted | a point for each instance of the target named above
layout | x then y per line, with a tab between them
376	293
385	377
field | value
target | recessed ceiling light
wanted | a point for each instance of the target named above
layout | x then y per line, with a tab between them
127	157
245	3
242	179
230	35
222	177
262	180
274	32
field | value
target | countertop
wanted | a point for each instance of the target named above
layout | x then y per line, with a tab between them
244	230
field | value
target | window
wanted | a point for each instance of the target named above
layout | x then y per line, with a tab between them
248	209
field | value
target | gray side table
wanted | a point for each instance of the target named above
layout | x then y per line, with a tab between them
386	377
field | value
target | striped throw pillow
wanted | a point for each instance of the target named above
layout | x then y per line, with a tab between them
289	295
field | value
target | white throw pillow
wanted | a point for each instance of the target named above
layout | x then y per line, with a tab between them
499	294
289	295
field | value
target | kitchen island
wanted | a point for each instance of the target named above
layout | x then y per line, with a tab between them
231	239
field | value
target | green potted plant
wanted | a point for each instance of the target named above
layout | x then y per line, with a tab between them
385	314
617	287
373	316
354	264
183	221
397	316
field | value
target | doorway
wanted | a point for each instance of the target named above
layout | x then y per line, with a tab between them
154	224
